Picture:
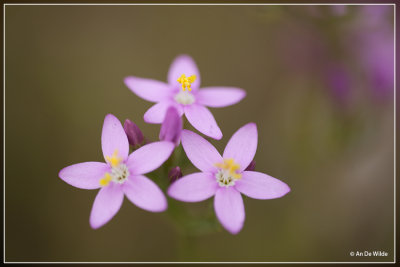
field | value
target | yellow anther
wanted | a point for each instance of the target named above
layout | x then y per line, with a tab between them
105	180
186	81
236	175
114	160
231	166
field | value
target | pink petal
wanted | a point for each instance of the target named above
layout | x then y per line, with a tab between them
194	187
261	186
145	194
113	137
149	157
229	208
219	96
183	64
200	152
156	113
150	90
84	175
203	120
242	146
107	203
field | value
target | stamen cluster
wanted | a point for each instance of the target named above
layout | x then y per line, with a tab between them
227	173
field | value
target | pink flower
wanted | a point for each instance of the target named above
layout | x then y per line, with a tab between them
183	92
225	177
121	175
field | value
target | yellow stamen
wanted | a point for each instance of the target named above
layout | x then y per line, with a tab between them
231	166
114	160
186	81
105	180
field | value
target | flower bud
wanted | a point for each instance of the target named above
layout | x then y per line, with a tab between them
171	127
134	134
252	166
174	174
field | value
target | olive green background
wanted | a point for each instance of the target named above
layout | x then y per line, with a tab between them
65	67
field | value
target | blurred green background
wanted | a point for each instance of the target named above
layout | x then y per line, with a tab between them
319	82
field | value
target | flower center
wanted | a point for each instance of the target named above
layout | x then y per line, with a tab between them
119	171
184	98
227	173
186	81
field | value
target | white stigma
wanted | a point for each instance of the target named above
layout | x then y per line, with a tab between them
119	173
184	98
224	178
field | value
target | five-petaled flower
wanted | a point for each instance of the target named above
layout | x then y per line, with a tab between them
225	177
121	175
183	92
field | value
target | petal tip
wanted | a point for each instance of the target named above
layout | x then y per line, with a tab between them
171	189
183	56
150	121
242	92
146	120
235	231
109	117
216	133
94	224
171	192
251	125
128	79
162	208
60	173
287	190
218	136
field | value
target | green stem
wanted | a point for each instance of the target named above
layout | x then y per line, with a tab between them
186	247
189	224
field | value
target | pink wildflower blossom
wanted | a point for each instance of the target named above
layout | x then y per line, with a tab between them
183	92
225	177
120	175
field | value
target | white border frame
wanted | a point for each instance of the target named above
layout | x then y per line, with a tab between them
190	4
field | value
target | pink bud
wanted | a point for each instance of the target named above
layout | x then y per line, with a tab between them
134	134
252	166
171	127
174	174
